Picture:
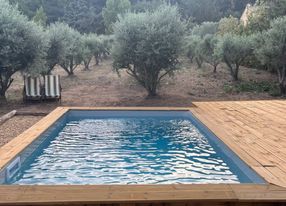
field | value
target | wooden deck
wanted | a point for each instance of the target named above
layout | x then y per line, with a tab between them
255	131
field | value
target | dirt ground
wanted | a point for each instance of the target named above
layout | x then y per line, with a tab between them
101	86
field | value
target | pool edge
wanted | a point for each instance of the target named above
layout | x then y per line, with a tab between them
50	194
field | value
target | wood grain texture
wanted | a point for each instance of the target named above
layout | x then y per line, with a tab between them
138	194
254	130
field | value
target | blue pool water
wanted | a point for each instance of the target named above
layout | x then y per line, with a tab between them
149	148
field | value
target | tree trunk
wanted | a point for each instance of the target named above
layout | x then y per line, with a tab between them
215	69
199	63
68	70
97	61
151	82
86	67
5	83
152	92
235	73
51	68
70	73
191	58
282	89
2	97
86	64
282	80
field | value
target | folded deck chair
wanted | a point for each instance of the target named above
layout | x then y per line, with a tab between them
52	87
32	88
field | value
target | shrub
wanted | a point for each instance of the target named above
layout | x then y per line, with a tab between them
148	45
252	86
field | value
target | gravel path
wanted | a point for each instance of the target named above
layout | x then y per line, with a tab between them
15	126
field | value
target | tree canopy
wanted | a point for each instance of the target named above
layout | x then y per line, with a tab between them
23	45
145	48
271	50
233	50
112	10
87	15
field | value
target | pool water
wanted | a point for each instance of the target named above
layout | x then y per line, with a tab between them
130	150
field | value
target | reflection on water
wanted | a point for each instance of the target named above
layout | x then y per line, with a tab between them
128	151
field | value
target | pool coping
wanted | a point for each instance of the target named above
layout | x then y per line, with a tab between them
118	194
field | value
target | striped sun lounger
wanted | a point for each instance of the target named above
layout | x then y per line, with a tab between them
32	88
52	87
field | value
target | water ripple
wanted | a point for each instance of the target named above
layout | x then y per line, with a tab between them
128	151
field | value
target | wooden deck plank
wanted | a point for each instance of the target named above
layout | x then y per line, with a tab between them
129	194
253	127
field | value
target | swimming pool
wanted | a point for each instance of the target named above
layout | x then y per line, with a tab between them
127	147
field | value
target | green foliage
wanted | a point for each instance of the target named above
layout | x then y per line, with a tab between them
73	55
192	43
258	21
229	25
76	14
148	44
200	11
40	17
107	42
233	50
252	86
95	46
23	45
58	44
113	9
205	28
145	5
271	50
264	13
206	49
86	15
54	9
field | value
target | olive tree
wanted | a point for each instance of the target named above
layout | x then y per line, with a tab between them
23	46
107	42
58	44
271	50
91	48
206	49
233	50
192	43
147	45
229	25
73	51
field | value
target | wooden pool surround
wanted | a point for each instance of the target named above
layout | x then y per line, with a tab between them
254	130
